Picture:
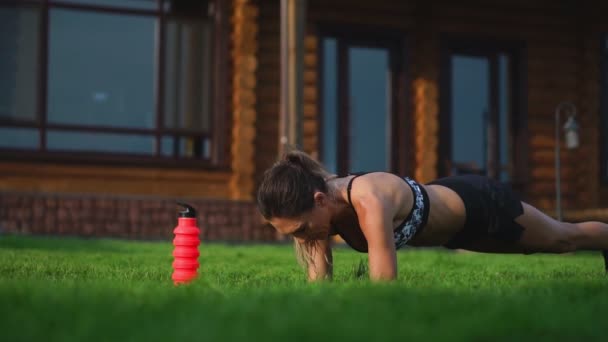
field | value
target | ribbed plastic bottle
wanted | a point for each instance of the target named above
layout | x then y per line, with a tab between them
186	242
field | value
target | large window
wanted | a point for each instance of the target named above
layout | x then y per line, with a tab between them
482	110
120	79
361	86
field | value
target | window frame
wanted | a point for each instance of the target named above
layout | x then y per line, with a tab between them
482	46
218	107
401	157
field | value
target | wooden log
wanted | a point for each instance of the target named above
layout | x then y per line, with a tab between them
309	127
244	99
112	180
244	13
546	156
270	129
549	188
362	6
270	113
395	21
310	110
310	77
547	173
310	60
568	81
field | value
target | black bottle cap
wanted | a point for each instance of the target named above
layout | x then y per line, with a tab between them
188	211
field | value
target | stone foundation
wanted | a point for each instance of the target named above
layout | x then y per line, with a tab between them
127	217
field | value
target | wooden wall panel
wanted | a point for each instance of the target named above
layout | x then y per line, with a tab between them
229	85
564	69
268	90
310	129
383	13
48	178
597	27
244	98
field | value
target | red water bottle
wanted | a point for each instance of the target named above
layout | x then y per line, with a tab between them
186	242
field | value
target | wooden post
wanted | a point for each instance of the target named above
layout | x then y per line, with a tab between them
292	72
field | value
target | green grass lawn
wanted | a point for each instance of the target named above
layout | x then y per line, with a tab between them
55	289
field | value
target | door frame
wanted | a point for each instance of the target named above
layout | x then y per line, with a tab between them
480	46
401	156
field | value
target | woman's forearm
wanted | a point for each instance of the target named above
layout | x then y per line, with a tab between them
321	267
320	272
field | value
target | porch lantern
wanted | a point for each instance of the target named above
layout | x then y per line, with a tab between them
570	128
571	132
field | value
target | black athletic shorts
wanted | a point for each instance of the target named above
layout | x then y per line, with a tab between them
491	208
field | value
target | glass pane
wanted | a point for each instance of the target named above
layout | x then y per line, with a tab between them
369	108
166	146
100	142
504	115
19	66
187	147
188	74
470	103
330	106
101	69
137	4
19	138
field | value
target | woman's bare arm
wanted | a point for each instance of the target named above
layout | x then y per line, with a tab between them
323	261
376	223
376	210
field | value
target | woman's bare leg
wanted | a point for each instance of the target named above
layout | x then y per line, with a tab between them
545	234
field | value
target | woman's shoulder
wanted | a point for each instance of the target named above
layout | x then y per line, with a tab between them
369	173
387	190
376	183
376	174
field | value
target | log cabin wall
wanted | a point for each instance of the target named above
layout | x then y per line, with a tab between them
268	88
596	26
108	180
561	61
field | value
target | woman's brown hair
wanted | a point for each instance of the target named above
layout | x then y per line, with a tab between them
287	188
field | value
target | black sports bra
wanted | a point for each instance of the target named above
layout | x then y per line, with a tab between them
415	220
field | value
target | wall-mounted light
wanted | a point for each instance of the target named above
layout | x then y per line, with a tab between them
570	128
571	131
